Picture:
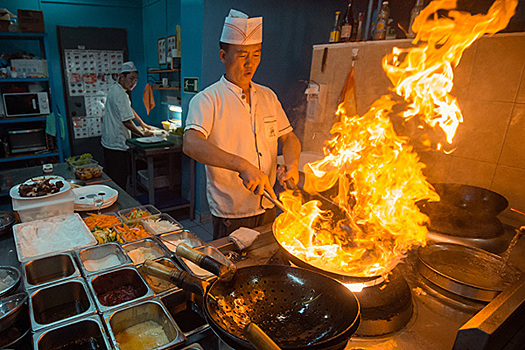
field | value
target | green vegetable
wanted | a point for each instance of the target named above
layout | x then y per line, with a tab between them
178	131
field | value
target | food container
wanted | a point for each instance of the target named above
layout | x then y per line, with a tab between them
45	207
41	238
138	318
104	234
171	240
102	258
86	333
59	303
138	212
200	272
130	231
87	172
185	312
159	285
110	288
52	269
9	279
14	321
159	224
142	250
81	162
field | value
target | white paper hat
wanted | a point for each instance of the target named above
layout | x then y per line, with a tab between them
128	67
238	29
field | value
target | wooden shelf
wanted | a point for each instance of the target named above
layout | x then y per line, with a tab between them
166	88
163	70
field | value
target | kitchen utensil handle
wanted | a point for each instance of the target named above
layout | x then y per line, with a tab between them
176	275
225	273
274	201
258	338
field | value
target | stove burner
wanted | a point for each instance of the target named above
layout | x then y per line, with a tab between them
386	307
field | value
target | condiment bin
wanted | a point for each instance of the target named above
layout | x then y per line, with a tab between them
59	303
141	315
184	310
170	241
45	207
142	250
148	209
84	333
159	285
100	258
130	231
200	272
125	283
52	269
162	223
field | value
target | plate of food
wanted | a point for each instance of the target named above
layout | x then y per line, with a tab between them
150	139
40	187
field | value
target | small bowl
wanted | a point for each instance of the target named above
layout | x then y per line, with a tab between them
13	309
7	219
11	273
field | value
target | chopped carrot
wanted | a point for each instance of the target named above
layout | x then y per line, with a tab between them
101	220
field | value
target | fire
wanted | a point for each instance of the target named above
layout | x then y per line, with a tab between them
376	173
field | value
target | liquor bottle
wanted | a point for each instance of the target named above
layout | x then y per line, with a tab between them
413	14
347	23
359	33
335	32
382	20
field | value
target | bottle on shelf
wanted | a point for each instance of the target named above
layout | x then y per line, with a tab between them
335	32
413	14
382	21
347	23
390	30
359	32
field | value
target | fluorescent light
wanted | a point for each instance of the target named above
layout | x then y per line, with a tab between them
175	108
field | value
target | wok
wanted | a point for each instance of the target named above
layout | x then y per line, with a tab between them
470	272
297	308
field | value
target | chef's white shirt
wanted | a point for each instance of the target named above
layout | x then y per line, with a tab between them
117	110
223	115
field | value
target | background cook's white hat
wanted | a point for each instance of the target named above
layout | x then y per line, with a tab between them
128	67
238	29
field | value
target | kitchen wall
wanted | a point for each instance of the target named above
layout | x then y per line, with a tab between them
489	84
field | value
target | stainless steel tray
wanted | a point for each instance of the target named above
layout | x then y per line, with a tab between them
49	270
99	253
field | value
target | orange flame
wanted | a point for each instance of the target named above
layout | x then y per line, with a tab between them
374	218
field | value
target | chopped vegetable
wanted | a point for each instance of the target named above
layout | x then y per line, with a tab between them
101	227
132	233
137	214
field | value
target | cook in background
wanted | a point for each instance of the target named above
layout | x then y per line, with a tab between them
118	125
233	127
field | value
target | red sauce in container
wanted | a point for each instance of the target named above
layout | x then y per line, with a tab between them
119	295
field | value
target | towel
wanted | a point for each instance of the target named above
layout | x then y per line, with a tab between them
243	237
149	101
51	125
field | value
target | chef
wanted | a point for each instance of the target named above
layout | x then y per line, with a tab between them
118	125
233	127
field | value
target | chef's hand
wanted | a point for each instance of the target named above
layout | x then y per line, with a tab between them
256	181
147	127
285	173
147	133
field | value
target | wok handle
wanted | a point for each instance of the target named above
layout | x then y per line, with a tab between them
176	275
208	263
258	339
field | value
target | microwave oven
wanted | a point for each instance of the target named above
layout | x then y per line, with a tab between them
25	104
27	140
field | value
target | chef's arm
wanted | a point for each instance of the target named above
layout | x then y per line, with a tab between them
133	128
291	153
140	121
196	146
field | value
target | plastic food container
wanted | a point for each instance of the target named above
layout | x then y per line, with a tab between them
42	208
159	224
87	172
81	162
85	333
54	268
41	238
140	317
140	212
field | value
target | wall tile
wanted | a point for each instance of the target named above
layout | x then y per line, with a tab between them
437	165
463	72
513	152
497	69
481	135
520	98
509	182
470	172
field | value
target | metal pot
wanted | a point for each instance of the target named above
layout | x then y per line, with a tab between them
466	271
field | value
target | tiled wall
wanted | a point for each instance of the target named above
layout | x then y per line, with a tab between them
490	87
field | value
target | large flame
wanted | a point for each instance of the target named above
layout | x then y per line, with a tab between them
377	175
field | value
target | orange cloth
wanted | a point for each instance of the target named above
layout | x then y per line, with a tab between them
348	94
149	101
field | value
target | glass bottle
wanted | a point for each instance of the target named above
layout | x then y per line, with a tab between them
335	32
382	20
347	23
413	14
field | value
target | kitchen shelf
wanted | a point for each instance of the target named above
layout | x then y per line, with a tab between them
23	120
166	88
163	70
42	40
